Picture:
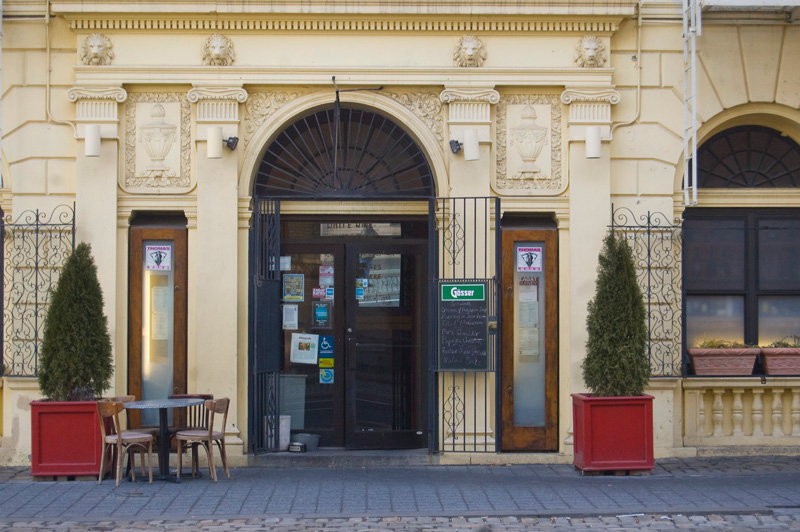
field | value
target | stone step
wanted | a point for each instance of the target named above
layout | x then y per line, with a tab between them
337	457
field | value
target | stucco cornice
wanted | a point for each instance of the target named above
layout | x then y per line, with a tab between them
599	23
358	7
477	78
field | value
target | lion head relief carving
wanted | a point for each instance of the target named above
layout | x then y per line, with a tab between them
218	51
96	49
469	52
590	52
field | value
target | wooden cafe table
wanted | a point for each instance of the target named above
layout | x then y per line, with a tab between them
163	406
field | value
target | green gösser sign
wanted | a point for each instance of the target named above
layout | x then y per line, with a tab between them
462	292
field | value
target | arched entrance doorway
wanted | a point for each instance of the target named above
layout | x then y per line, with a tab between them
339	299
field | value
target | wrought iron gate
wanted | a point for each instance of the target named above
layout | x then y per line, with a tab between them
264	319
657	249
465	247
35	246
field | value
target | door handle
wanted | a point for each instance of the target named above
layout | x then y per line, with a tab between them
350	353
509	389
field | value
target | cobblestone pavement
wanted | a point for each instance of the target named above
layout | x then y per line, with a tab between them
761	493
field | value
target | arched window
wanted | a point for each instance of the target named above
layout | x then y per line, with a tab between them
367	156
749	157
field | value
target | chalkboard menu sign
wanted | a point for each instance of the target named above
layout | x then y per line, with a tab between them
463	326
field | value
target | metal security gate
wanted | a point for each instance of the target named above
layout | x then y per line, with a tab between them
264	318
465	249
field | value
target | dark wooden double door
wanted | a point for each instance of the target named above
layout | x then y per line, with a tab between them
365	302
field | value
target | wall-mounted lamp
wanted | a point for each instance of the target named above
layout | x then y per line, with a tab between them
91	140
593	142
215	142
470	145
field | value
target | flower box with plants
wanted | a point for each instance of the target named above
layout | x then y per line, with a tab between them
613	425
75	367
782	357
723	357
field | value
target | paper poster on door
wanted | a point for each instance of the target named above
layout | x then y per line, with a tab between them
359	294
304	348
293	286
529	259
322	314
290	317
326	376
158	257
326	276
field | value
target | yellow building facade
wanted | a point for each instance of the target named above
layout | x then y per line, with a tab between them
272	187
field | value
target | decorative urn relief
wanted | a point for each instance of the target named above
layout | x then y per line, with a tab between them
158	137
158	144
529	138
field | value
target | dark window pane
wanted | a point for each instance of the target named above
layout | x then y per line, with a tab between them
778	317
778	254
714	254
714	317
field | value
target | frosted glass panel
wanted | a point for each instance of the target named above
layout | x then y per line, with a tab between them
158	303
778	317
529	326
718	317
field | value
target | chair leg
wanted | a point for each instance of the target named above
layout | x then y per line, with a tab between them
102	463
149	459
132	461
180	458
211	467
119	465
221	445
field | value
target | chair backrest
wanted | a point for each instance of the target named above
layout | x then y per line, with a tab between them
123	399
196	416
215	407
105	410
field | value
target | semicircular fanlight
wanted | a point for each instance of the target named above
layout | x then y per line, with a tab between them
749	157
369	156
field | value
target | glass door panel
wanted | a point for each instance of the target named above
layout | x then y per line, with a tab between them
386	375
312	386
158	293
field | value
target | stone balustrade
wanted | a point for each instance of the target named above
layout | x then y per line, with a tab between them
742	411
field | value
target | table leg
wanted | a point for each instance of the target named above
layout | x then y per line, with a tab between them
163	444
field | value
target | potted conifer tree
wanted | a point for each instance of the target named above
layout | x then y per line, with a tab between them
74	369
613	425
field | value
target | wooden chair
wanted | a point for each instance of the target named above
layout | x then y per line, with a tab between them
146	430
196	416
121	441
206	437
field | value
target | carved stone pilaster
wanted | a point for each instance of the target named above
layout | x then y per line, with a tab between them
97	104
590	106
217	104
469	106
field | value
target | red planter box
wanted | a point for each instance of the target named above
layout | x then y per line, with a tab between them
612	433
65	438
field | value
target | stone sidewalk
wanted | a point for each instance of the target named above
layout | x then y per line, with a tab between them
712	493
